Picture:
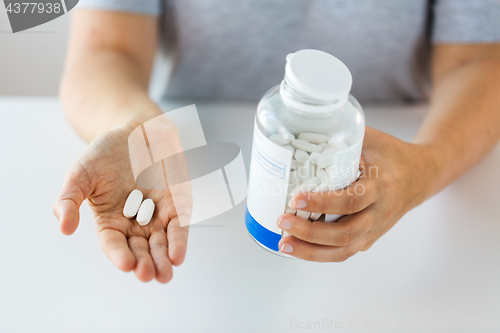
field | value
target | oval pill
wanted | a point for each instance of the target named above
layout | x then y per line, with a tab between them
308	170
281	139
315	216
337	143
301	188
132	204
314	157
332	217
301	156
321	174
330	171
314	137
295	178
306	186
295	165
306	146
312	180
145	212
329	151
303	214
290	148
323	187
326	161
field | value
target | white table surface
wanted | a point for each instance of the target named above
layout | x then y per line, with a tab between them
437	270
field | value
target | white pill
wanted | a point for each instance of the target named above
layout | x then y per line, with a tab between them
337	143
321	174
295	164
314	137
332	217
295	178
281	139
145	212
332	171
285	234
323	187
306	146
325	146
308	170
303	214
314	171
340	145
326	161
329	151
315	216
289	192
301	156
306	186
314	157
132	204
312	180
290	148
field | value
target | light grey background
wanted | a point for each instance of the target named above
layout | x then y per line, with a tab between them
31	62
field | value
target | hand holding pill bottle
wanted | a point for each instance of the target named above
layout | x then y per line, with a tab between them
308	137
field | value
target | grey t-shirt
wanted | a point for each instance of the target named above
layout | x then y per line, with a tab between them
235	49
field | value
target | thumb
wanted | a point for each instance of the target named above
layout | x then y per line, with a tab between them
75	189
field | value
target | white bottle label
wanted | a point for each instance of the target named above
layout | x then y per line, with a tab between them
268	181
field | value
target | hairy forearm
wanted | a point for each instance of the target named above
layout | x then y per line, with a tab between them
102	90
463	123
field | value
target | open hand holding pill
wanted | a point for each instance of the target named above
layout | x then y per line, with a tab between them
139	230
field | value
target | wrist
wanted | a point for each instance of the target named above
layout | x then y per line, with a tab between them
136	114
431	171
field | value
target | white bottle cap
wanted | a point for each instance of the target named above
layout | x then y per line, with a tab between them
319	76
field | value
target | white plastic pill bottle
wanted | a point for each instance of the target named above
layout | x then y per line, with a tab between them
288	154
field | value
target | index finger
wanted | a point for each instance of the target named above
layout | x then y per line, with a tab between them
347	230
350	200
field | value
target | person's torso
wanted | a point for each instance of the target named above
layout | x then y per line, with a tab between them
236	49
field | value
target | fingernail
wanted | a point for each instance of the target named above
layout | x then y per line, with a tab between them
299	204
284	224
287	248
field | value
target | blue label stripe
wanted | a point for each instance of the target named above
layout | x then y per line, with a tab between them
263	235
